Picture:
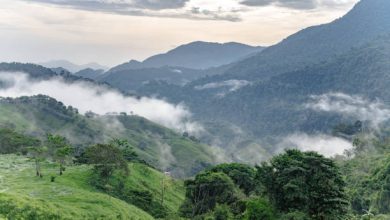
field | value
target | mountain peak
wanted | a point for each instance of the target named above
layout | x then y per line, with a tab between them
367	21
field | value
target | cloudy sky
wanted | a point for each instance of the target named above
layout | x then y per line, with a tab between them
114	31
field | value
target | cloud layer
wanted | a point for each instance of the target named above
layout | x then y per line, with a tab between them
296	4
99	99
357	107
324	144
151	8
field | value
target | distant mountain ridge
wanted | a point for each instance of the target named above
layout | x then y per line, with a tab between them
71	66
195	55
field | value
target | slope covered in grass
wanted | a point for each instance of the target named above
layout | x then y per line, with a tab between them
22	195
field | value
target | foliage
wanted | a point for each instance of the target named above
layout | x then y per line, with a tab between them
14	142
24	196
38	154
296	215
306	182
106	159
242	175
222	212
259	208
206	191
37	116
127	150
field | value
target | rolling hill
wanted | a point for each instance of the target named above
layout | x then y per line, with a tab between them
157	145
22	195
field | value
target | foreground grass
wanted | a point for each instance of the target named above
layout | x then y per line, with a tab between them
24	196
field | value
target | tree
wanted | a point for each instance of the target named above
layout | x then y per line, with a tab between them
206	191
14	142
59	149
242	175
127	150
106	158
38	154
307	182
62	155
55	142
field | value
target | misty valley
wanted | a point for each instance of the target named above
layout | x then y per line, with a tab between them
295	130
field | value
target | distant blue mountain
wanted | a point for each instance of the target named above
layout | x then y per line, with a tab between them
71	66
195	55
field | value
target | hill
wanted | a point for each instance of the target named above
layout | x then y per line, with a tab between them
159	146
71	196
89	73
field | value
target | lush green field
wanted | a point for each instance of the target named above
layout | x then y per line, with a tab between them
25	196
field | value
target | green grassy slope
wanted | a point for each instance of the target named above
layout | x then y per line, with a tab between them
71	196
22	195
159	146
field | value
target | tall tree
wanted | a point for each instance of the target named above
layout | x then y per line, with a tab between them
62	155
60	150
106	158
206	191
127	150
305	181
38	154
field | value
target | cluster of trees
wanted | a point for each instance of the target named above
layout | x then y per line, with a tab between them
293	185
367	175
55	147
13	142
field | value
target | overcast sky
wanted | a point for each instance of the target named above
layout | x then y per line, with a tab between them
114	31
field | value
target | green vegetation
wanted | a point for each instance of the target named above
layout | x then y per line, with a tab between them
295	181
72	196
23	196
35	117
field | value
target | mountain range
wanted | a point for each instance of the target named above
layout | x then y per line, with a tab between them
195	55
72	67
267	95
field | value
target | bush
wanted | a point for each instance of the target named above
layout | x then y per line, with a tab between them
259	209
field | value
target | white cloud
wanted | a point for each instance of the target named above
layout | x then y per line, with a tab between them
375	112
99	99
298	4
232	85
324	144
150	8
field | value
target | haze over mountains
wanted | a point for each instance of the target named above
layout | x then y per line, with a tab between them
248	97
348	57
71	66
298	130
